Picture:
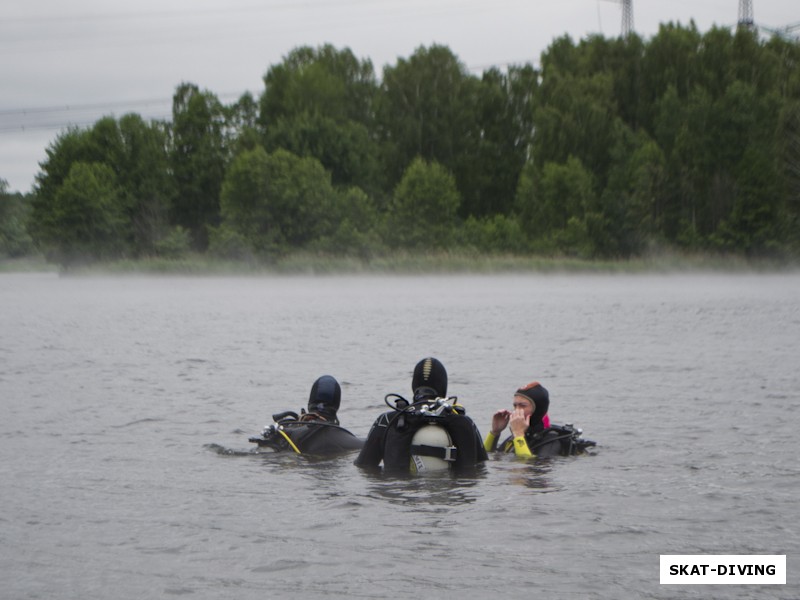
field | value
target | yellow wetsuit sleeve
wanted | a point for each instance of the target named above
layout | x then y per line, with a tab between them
521	447
490	443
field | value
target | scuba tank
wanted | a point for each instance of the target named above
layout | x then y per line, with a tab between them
431	449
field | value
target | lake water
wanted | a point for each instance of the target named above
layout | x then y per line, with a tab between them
127	403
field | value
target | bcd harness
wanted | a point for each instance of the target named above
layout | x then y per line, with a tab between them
568	435
276	435
413	416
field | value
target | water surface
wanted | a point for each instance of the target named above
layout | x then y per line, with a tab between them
127	404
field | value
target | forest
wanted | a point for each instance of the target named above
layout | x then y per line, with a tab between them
610	148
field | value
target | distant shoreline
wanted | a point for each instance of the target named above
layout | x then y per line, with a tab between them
407	264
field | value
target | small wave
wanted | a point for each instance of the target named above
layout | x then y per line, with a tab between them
280	565
223	451
137	422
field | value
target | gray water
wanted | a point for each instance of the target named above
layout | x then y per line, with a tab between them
127	404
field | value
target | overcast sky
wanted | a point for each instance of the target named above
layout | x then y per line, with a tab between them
73	62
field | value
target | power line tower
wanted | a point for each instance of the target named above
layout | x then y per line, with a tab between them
627	18
746	14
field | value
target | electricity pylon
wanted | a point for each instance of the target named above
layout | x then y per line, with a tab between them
746	14
627	16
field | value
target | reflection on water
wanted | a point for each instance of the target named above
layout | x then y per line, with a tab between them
532	474
437	489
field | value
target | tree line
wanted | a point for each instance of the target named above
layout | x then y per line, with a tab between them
610	148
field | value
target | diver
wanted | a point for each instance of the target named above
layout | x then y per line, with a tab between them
430	433
532	434
314	432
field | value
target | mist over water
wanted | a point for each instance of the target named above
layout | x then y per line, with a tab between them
127	404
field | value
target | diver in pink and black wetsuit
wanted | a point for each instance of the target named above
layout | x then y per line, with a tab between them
531	432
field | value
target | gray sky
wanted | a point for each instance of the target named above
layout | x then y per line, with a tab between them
73	62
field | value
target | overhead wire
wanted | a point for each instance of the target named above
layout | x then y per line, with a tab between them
18	119
55	117
68	115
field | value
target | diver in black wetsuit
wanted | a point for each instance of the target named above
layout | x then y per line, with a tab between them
431	433
314	432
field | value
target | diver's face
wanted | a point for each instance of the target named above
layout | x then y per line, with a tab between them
526	404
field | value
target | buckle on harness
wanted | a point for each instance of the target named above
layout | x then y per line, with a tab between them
450	453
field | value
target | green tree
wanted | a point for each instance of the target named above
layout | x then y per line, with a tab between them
426	108
488	175
497	234
753	224
136	152
715	70
241	125
355	226
553	203
277	202
424	207
69	147
633	201
619	59
575	117
84	220
322	80
198	160
788	163
670	60
319	103
14	212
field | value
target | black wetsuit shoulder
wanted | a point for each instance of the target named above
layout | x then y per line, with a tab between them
321	438
331	439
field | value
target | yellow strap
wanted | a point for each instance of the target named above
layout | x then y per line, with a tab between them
288	439
490	442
